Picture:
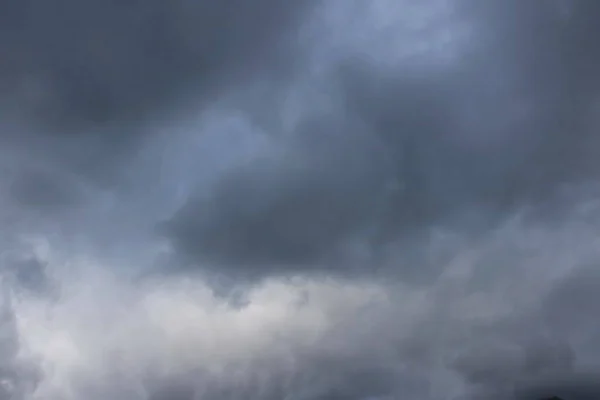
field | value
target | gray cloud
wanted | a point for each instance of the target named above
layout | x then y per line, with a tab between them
484	137
316	339
407	194
577	386
81	77
94	62
292	208
40	189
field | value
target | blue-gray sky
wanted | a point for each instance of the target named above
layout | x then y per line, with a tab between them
322	200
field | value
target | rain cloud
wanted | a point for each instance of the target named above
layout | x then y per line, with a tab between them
335	199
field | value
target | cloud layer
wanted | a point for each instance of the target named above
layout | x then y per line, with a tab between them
334	200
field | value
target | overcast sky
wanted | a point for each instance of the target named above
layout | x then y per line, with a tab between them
311	200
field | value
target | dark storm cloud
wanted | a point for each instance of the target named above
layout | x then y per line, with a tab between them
572	386
505	127
78	77
290	209
43	190
393	155
555	62
93	62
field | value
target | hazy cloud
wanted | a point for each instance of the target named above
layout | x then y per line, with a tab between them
335	200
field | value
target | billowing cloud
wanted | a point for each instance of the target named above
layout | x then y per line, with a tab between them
481	133
475	331
335	200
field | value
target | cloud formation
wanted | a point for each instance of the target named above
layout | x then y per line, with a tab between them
91	62
335	200
484	131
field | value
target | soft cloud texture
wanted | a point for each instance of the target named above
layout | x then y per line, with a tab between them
335	200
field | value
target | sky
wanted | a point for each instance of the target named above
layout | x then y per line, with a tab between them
316	200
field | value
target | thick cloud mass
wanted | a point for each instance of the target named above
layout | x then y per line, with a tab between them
90	61
337	199
292	208
81	73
